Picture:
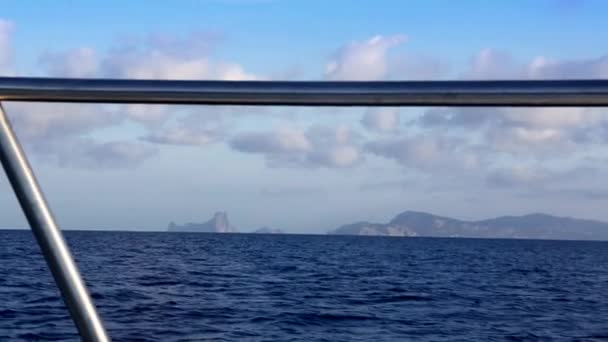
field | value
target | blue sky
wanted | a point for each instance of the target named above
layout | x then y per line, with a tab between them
306	169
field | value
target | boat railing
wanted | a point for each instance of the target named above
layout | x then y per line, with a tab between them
532	93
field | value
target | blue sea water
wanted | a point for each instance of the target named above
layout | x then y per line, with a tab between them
241	287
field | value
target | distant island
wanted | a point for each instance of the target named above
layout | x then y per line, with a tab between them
268	230
532	226
217	224
414	223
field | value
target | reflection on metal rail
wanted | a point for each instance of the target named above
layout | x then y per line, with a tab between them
410	93
583	93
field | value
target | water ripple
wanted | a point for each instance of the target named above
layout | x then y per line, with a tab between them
205	287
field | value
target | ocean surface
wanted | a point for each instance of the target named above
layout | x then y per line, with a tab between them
240	287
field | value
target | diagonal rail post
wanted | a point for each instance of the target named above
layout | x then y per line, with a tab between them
49	237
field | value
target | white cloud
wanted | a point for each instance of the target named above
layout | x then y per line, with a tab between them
180	136
529	136
544	132
341	156
536	180
196	129
291	147
530	131
493	64
372	59
90	154
543	67
6	51
436	153
548	117
80	62
542	117
151	116
40	122
168	57
59	133
383	119
496	64
51	130
158	56
362	60
283	140
518	176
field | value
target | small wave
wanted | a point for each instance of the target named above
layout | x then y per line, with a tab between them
251	289
305	319
404	298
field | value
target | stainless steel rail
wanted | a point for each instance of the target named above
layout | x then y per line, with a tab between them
583	93
48	235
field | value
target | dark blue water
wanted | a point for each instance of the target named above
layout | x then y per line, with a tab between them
191	287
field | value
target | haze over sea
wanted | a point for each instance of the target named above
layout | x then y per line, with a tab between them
246	287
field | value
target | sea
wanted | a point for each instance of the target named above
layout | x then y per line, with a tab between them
246	287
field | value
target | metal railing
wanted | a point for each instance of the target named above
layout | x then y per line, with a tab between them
562	93
415	93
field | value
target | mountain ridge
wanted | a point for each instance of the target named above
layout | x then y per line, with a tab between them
529	226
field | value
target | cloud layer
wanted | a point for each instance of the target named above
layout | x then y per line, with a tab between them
68	134
293	147
504	147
